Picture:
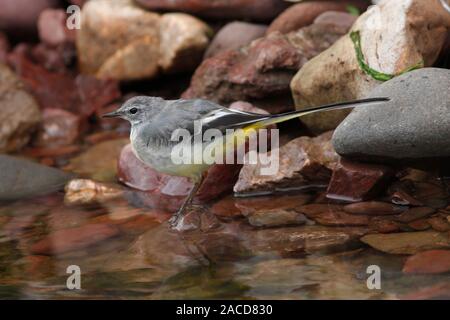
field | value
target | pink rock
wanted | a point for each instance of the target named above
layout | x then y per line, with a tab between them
58	128
52	27
233	36
67	240
19	17
432	261
260	10
303	14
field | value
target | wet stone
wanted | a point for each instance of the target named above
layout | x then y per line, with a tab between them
67	240
407	242
84	191
419	225
415	213
383	225
433	261
276	218
375	208
353	181
332	215
439	224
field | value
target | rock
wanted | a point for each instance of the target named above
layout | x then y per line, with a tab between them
415	213
262	69
119	40
4	47
183	42
19	112
99	162
407	242
249	205
355	181
19	17
383	131
276	218
380	225
419	225
332	215
407	34
234	35
134	173
20	178
73	239
439	224
338	18
303	162
433	261
226	208
81	95
53	29
376	208
304	14
83	191
261	10
58	128
296	241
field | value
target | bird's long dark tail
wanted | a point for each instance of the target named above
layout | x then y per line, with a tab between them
296	114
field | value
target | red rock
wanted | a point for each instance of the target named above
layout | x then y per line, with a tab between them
261	70
439	224
260	10
250	205
303	14
376	208
95	93
415	213
58	128
332	215
52	27
226	208
432	261
233	36
276	218
383	225
54	59
67	240
56	90
19	17
353	181
419	225
303	162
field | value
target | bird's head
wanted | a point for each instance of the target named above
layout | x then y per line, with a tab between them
137	109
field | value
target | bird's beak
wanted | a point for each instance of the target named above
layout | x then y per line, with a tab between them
113	114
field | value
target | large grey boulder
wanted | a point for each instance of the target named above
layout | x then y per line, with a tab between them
414	124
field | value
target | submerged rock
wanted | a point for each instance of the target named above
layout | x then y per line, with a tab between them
20	178
276	218
433	261
395	36
303	162
408	242
67	240
19	112
412	125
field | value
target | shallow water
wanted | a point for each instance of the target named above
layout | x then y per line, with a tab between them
140	258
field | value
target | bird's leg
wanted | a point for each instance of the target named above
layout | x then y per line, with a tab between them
176	218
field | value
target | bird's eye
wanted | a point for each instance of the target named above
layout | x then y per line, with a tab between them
133	110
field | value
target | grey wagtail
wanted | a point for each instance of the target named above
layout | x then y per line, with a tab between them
153	121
